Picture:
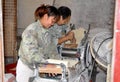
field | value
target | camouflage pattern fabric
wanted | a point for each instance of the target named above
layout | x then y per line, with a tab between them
36	45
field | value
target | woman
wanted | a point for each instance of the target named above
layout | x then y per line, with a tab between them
35	42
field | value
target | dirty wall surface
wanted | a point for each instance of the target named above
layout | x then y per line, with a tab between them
97	13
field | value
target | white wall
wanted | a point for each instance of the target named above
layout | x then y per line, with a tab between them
98	13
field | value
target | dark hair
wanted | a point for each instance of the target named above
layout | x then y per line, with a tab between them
64	11
46	9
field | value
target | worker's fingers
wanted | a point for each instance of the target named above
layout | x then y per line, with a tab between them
73	40
52	74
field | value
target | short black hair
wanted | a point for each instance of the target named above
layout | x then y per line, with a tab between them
64	11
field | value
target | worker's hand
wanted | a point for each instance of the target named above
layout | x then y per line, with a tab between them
52	75
73	41
70	35
51	66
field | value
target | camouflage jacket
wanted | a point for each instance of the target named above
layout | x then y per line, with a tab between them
36	44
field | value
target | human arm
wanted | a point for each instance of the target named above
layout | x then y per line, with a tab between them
68	37
29	50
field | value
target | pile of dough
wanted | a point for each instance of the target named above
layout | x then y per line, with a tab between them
79	34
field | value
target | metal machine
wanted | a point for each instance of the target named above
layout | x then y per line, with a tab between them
79	59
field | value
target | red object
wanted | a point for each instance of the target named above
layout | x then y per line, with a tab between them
90	80
11	68
116	45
